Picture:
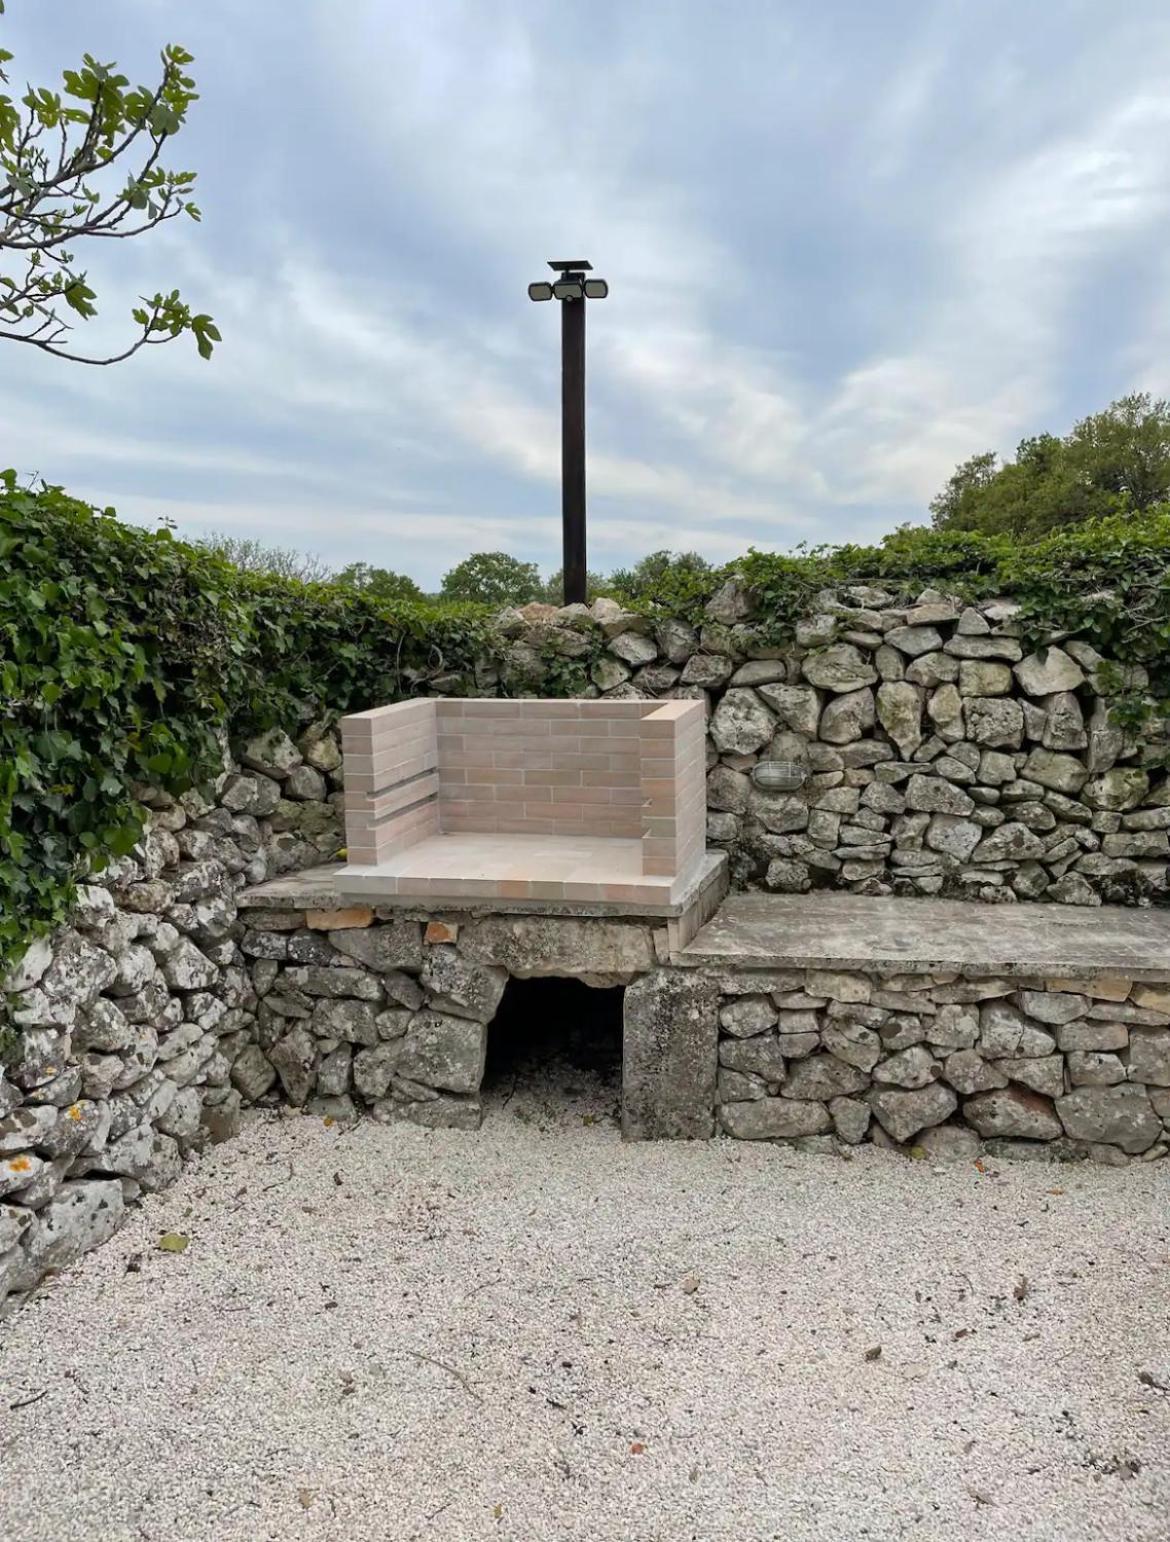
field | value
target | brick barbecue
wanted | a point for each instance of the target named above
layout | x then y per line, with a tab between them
524	799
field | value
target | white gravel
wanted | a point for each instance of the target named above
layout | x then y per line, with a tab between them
536	1332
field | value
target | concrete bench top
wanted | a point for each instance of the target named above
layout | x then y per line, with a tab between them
325	888
851	931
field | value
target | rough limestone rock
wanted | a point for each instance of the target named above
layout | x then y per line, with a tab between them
945	711
902	1114
741	723
748	1015
1122	788
354	1021
774	1119
388	945
797	707
1010	842
950	1143
1072	889
531	947
952	836
968	1072
1093	1034
912	1067
24	1127
1088	1068
847	717
1042	1073
984	677
764	1055
81	1217
1014	1112
1114	1116
373	1069
633	649
850	1119
78	972
914	640
821	1077
188	969
670	1056
257	795
929	670
461	986
996	722
273	754
1062	773
839	668
294	1057
30	968
305	784
1048	671
1053	1007
933	795
899	710
728	789
607	674
1149	1056
779	812
443	1050
1064	723
252	1073
853	1043
730	603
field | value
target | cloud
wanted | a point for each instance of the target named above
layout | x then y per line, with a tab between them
845	251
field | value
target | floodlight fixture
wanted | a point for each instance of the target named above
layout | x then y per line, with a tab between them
572	288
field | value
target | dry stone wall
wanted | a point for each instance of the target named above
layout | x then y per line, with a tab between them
948	1063
935	755
131	1020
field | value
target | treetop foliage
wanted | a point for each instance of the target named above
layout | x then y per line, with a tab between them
493	578
252	556
1112	462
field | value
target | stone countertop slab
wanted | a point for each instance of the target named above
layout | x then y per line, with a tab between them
318	888
850	931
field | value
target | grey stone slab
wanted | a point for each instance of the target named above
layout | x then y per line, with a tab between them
669	1064
849	931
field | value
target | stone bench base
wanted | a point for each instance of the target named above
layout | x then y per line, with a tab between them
935	1025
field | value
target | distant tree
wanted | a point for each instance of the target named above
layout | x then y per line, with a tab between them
492	578
553	588
59	183
1111	462
659	574
254	557
379	584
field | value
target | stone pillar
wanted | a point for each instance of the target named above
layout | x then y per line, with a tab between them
670	1048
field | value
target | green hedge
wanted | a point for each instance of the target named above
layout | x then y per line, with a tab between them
125	654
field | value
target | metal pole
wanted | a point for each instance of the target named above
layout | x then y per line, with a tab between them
573	447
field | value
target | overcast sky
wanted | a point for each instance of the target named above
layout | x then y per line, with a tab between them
847	245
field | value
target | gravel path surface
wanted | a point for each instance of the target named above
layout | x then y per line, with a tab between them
535	1332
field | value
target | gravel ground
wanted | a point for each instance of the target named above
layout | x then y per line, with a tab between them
535	1332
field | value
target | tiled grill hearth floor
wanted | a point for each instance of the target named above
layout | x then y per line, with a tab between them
475	866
